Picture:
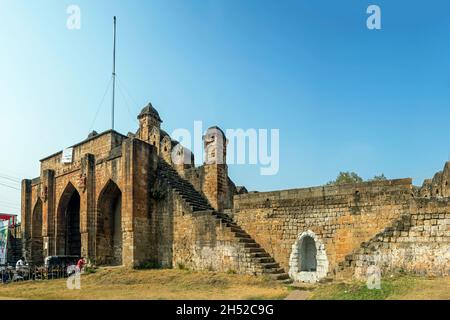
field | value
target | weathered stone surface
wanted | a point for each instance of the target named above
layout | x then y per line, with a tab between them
123	200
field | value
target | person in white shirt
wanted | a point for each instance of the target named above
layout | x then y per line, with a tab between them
21	263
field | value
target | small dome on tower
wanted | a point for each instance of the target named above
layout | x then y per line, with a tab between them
163	134
215	129
92	134
150	111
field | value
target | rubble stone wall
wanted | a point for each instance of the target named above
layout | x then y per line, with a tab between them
341	217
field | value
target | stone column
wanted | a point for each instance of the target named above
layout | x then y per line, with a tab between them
86	186
26	218
215	186
139	162
48	211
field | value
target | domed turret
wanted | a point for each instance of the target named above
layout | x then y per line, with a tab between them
92	134
149	125
215	146
149	111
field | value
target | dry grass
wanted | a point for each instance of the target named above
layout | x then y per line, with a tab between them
427	289
123	283
396	288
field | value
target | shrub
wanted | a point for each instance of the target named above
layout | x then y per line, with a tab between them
149	265
181	266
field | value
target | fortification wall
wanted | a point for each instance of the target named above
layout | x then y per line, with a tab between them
106	169
417	243
340	218
197	240
213	183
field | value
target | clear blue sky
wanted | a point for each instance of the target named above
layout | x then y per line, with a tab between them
343	97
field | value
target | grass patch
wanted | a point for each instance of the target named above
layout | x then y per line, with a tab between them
399	287
89	270
127	283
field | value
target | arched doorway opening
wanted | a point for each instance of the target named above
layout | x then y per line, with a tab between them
68	227
37	248
308	254
308	261
109	225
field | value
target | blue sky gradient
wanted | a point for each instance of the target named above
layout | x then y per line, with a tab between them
344	97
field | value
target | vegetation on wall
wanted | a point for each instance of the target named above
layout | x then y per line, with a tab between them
352	177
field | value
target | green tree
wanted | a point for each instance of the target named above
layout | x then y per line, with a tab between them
346	177
381	177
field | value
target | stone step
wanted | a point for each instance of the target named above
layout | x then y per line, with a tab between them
250	245
223	216
284	277
260	254
187	189
240	234
270	265
197	197
190	198
255	250
235	229
279	276
229	220
285	281
195	201
246	240
267	259
195	208
225	223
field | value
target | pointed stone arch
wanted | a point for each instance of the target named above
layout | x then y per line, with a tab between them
308	261
37	248
68	235
109	225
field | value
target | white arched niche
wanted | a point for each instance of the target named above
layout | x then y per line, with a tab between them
308	261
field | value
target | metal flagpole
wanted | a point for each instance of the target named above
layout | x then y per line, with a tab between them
114	76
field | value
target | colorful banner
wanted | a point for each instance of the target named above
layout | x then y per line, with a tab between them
3	242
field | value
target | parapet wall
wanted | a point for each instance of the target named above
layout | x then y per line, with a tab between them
340	217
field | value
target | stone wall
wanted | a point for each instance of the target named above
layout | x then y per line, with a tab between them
213	183
197	240
438	186
310	232
340	217
108	161
417	243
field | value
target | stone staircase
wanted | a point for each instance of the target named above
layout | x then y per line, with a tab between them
262	260
345	268
264	263
182	187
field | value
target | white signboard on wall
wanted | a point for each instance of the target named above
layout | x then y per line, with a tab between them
67	156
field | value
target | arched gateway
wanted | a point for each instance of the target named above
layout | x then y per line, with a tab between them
109	225
308	261
68	222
